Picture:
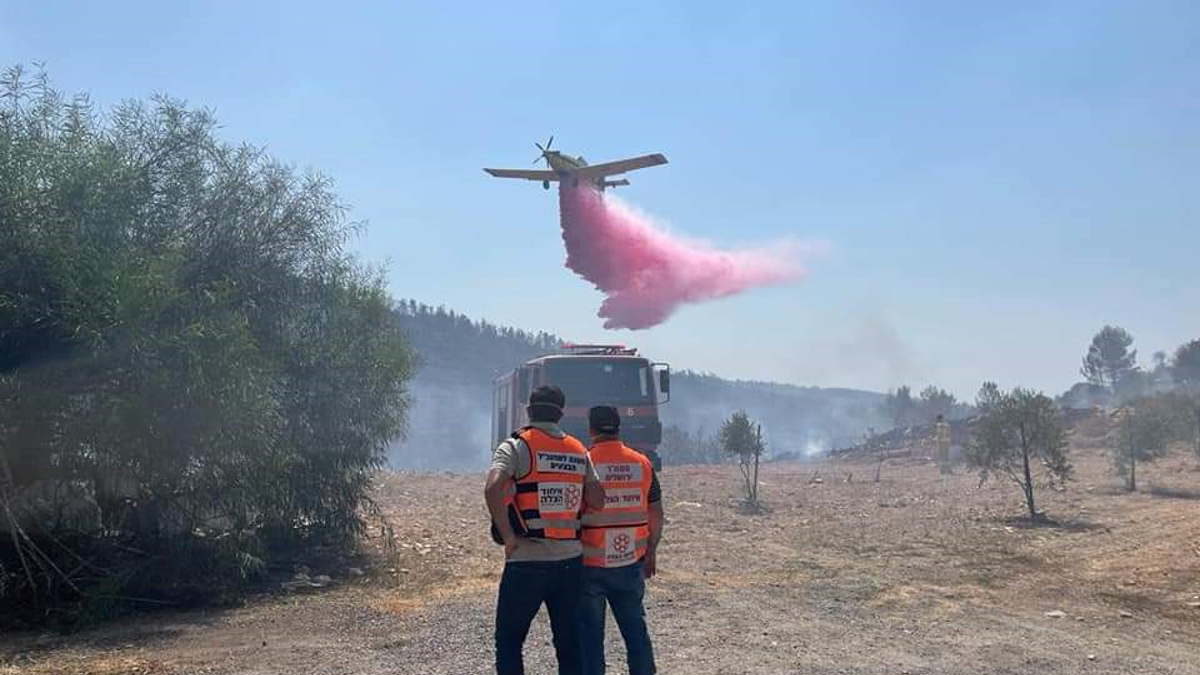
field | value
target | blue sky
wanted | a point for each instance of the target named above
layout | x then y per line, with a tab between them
995	181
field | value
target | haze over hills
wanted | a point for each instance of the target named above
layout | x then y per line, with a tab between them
451	413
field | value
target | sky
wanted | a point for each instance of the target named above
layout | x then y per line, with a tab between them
990	183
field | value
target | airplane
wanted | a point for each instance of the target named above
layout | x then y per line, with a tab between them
564	167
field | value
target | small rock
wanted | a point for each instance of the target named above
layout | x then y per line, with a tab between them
1056	614
1126	614
355	572
1091	657
321	580
1194	605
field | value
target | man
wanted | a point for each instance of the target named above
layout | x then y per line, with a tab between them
536	488
620	542
941	441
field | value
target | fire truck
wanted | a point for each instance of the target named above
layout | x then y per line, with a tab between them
589	375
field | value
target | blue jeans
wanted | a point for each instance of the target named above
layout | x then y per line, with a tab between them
524	588
622	588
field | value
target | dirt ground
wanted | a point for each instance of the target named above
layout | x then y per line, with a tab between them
914	574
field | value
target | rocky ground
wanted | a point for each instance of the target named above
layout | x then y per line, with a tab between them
914	574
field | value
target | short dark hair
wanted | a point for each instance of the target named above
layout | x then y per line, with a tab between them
546	404
604	419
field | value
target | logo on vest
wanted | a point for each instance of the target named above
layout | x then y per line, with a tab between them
621	543
561	462
619	547
554	497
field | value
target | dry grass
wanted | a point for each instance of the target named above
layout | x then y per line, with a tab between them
947	564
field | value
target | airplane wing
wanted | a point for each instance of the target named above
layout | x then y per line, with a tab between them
620	166
527	174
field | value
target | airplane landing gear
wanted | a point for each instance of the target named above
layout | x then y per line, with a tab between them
545	185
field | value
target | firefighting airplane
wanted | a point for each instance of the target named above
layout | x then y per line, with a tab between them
574	169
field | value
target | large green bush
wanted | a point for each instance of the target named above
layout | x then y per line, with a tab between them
196	379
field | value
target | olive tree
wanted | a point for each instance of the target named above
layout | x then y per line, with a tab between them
742	439
1020	436
1143	433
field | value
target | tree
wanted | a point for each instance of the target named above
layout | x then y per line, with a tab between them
1142	435
186	347
1185	369
682	447
989	397
1134	385
742	439
1109	358
1019	435
935	401
900	407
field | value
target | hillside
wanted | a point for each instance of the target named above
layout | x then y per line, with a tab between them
460	357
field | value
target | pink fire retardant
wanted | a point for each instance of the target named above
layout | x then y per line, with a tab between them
646	272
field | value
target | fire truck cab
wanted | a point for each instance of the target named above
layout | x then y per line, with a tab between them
589	375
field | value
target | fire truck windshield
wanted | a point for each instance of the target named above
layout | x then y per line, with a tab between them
597	381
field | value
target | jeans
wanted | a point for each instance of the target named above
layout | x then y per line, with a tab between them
622	588
524	587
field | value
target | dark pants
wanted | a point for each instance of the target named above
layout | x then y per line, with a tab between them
523	589
622	588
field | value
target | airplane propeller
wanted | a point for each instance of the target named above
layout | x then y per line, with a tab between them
544	150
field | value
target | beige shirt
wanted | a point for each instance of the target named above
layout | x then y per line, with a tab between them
512	458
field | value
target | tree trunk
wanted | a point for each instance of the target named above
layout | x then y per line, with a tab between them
1028	485
1132	471
745	469
754	498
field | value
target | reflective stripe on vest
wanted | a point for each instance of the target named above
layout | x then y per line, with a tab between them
617	535
548	499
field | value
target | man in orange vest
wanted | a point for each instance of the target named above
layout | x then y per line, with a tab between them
620	540
536	489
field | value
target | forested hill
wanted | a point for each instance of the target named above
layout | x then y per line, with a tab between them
451	416
456	349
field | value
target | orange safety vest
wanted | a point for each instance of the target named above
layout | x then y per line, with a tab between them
546	502
616	535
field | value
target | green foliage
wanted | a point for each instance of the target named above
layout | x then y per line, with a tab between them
935	401
904	410
1109	359
682	447
192	368
900	407
1185	367
742	439
1019	435
1142	435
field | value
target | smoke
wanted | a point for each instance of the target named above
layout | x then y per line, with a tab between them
647	273
449	426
